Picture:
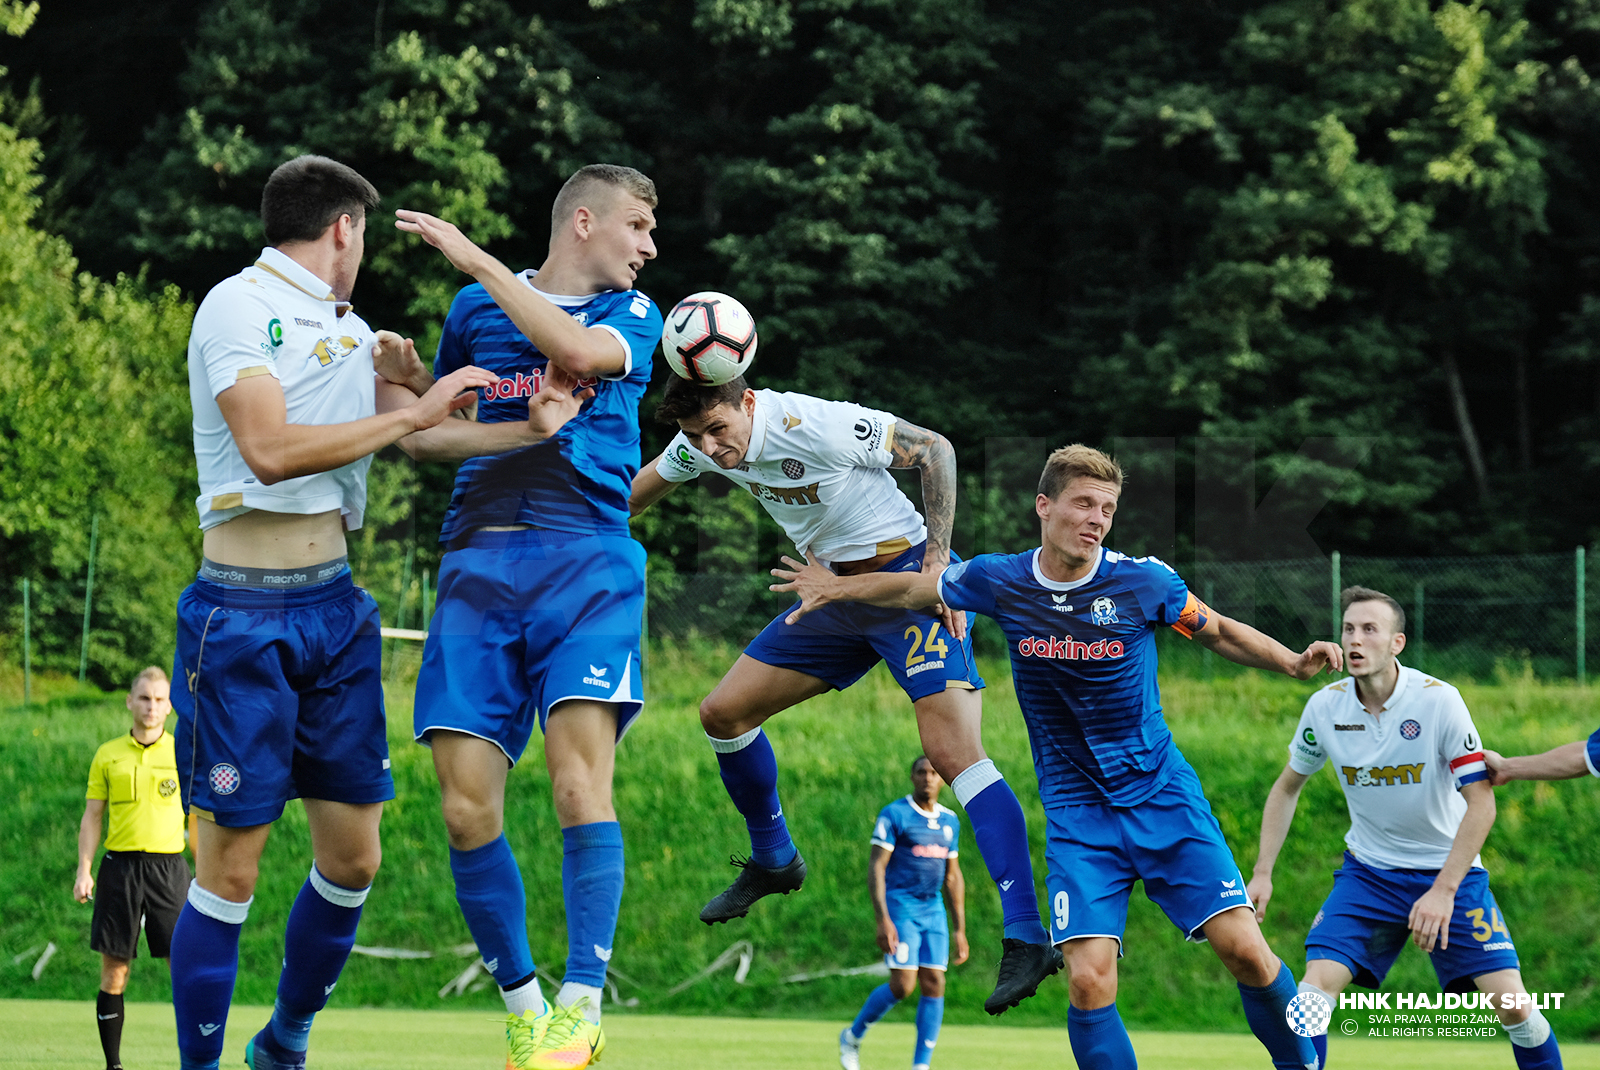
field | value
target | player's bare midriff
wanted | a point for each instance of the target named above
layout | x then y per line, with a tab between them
261	539
863	566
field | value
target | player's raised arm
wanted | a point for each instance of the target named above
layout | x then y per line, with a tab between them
557	401
275	449
1238	642
816	586
1276	817
1559	763
583	351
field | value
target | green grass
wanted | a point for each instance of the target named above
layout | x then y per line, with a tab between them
842	756
48	1034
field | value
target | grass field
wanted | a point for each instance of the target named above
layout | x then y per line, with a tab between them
51	1034
842	757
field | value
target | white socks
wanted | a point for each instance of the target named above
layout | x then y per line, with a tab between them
527	998
571	992
1530	1032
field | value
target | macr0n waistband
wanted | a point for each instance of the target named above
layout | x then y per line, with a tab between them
273	579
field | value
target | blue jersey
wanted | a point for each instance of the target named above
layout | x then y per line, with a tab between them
1591	753
921	841
579	480
1083	659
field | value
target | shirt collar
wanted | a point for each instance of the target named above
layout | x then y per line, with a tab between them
1394	699
559	300
301	278
765	407
929	814
1070	585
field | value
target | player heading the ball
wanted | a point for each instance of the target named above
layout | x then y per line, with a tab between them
279	692
1407	756
1121	803
820	469
541	590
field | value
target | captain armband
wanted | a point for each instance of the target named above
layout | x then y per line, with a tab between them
1193	618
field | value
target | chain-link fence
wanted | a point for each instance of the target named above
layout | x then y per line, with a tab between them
1465	615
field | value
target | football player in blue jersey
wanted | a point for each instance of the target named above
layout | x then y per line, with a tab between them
914	848
1121	803
541	591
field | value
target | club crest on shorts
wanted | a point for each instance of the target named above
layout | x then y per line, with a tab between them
1410	729
224	779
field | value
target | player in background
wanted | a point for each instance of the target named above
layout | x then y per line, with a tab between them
279	690
914	848
541	591
1407	756
820	469
143	875
1121	803
1559	763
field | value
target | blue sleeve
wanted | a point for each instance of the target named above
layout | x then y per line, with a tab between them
884	831
455	349
1168	599
1591	754
637	323
970	584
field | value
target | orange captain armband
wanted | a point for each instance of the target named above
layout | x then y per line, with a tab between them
1193	618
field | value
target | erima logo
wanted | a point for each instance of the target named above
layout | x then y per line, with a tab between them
1058	598
597	672
596	677
1005	886
209	1028
327	990
1230	889
1230	884
491	964
602	953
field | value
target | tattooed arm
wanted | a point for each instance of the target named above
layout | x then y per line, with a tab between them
916	447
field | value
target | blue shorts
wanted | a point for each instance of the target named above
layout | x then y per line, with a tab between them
1365	922
279	694
842	641
1170	841
924	936
525	620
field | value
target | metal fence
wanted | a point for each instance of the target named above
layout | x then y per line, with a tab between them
1465	615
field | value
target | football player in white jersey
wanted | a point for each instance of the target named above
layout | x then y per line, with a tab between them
277	662
1406	754
820	468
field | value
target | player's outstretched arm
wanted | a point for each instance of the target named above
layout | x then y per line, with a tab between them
277	450
888	935
1560	763
917	447
1241	643
955	897
88	839
1276	816
583	351
395	360
1430	915
816	587
557	401
648	488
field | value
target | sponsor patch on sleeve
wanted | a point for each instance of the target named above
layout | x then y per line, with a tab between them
1193	618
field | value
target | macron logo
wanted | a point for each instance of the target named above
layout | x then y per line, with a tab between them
602	953
327	990
209	1028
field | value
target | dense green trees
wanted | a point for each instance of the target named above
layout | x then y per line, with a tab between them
1353	240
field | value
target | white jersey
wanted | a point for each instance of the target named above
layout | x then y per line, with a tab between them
276	318
820	468
1402	771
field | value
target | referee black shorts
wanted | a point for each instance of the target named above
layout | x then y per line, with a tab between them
134	887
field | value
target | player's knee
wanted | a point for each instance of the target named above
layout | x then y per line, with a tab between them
1092	982
932	983
354	868
717	717
1515	1014
114	975
469	821
901	982
1251	962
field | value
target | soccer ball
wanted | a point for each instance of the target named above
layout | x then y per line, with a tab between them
709	339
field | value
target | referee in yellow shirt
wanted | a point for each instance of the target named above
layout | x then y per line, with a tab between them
143	877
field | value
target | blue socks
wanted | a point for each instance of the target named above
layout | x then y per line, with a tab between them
1546	1056
750	773
1264	1010
1320	1042
1001	833
876	1006
1099	1039
205	961
591	887
930	1015
321	931
489	890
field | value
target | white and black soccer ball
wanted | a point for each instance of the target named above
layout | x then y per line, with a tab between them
709	338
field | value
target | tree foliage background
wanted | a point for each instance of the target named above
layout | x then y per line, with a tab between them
1344	246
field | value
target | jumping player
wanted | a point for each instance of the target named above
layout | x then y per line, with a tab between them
1121	802
541	592
914	848
277	661
1407	756
819	468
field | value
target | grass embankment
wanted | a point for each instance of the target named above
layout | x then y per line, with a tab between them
842	757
